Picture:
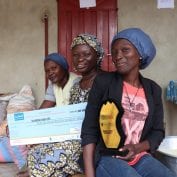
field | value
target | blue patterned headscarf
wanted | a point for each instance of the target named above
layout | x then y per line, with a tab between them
59	59
142	43
92	41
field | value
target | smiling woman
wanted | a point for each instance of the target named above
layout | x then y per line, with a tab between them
64	158
142	118
87	55
57	71
125	56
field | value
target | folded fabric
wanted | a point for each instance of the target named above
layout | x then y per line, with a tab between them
3	105
22	101
10	153
3	128
4	99
5	155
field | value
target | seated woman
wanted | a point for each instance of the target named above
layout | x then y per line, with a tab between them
126	100
62	158
60	83
61	80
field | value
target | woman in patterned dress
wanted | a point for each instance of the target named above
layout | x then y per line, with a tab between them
62	158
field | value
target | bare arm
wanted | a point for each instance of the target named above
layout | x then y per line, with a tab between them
88	155
47	104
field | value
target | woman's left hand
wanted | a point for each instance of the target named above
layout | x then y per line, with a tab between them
132	151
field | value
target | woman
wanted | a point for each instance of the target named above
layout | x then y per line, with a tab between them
61	80
62	158
87	55
136	103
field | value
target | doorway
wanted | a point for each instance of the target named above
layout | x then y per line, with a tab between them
100	21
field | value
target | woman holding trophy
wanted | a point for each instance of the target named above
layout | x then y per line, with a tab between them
123	122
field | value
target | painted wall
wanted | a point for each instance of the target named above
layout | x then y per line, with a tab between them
161	25
22	44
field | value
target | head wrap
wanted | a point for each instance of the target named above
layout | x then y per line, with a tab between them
91	41
59	59
142	43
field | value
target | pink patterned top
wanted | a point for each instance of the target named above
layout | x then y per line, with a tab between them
136	111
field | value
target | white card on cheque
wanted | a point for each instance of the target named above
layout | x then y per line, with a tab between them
46	125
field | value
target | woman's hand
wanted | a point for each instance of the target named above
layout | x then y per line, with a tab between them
133	150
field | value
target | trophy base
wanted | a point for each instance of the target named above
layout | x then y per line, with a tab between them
113	152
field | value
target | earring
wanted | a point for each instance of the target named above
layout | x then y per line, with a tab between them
141	58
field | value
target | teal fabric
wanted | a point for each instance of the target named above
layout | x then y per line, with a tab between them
5	155
8	153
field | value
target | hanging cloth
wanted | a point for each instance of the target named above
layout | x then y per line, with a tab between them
171	93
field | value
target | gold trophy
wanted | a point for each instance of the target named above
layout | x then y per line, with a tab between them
110	126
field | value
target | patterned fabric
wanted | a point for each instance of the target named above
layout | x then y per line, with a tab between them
78	95
55	159
91	41
135	114
58	159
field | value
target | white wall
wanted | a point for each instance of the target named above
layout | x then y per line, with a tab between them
22	44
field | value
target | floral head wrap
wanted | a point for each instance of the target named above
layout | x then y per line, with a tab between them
91	41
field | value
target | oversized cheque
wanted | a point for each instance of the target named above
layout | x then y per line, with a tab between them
46	125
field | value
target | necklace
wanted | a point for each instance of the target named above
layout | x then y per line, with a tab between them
131	102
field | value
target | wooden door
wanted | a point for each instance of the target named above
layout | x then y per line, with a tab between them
100	21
